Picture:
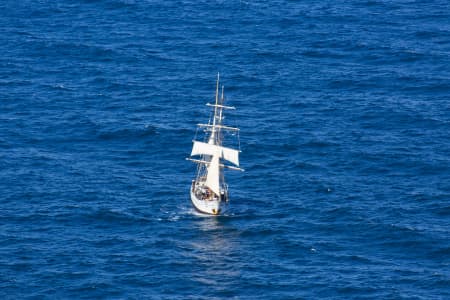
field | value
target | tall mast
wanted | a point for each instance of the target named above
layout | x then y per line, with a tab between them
212	139
217	99
221	109
219	132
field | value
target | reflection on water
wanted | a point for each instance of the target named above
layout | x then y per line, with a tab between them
214	251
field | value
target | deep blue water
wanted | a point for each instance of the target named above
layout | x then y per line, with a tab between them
344	113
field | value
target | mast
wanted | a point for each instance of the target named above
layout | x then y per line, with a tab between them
212	139
214	177
219	133
220	140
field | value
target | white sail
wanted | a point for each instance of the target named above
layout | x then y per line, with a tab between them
228	154
212	179
231	155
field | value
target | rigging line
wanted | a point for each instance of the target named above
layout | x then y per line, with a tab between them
196	133
239	141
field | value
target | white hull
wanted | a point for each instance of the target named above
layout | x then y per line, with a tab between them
212	207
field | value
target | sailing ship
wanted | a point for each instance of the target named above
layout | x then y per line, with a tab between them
209	192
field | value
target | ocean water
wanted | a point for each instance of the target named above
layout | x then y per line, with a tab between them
344	113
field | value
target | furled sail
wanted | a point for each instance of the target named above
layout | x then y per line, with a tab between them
212	179
228	154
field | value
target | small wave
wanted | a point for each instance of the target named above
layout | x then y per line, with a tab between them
442	211
319	144
104	215
441	252
121	4
127	133
260	232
